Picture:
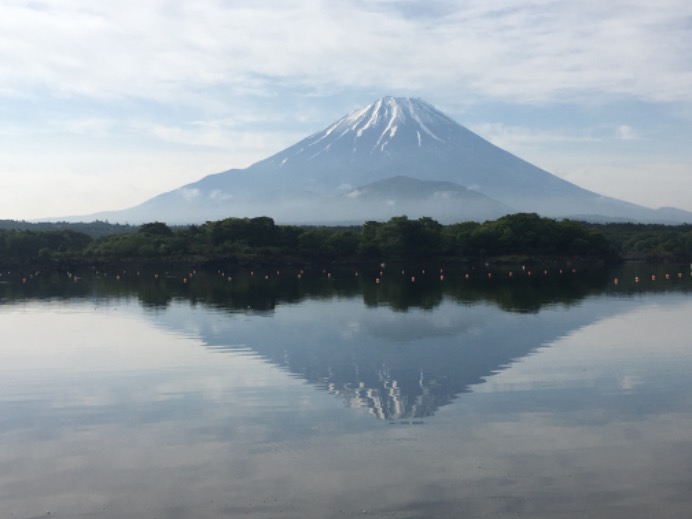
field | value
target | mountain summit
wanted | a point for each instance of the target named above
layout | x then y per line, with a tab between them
387	127
395	156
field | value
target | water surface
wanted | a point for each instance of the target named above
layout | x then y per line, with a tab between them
326	396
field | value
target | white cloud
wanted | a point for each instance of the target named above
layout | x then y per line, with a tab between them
219	195
626	133
520	51
190	193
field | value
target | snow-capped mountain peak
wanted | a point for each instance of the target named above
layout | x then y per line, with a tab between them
386	123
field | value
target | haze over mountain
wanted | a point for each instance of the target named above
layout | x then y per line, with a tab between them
395	156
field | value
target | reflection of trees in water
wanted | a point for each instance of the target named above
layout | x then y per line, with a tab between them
521	293
393	380
529	293
263	290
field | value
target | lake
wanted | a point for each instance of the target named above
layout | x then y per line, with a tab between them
395	392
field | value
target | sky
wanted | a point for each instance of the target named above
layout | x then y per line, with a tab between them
104	105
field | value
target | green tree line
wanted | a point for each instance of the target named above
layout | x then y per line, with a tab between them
648	241
400	238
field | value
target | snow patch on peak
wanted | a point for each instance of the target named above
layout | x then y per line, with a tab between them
395	111
372	121
420	122
391	128
384	126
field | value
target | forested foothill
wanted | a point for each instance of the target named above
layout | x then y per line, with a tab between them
514	237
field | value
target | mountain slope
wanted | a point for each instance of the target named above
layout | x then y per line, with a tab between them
392	137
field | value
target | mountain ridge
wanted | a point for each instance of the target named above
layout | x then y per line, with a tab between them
309	182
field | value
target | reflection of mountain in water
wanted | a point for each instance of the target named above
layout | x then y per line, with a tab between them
408	366
399	365
400	349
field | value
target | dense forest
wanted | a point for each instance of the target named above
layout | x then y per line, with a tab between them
650	242
524	235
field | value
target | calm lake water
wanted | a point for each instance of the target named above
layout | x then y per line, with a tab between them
331	395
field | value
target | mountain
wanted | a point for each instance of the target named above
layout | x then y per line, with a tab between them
448	201
394	156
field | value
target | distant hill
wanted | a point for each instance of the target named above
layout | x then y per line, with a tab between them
93	228
394	156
